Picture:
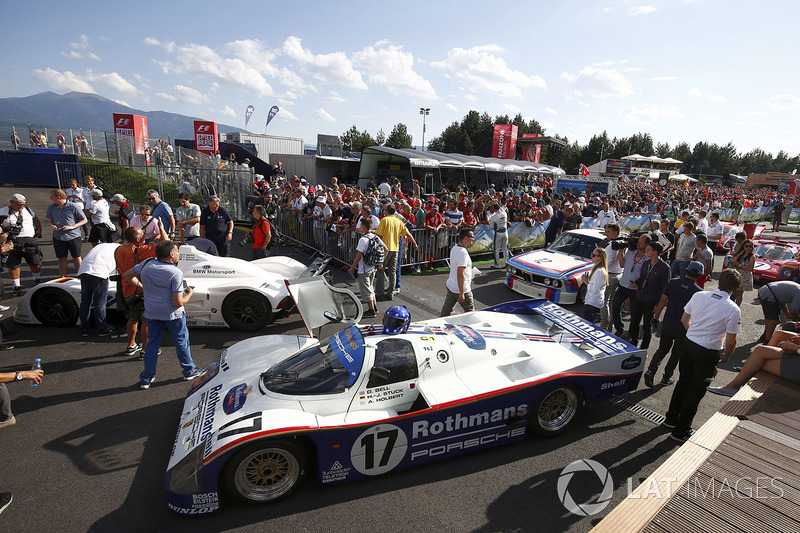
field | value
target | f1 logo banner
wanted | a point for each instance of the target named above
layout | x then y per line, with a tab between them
131	136
504	144
205	136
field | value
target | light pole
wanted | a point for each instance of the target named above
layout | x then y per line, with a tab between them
424	111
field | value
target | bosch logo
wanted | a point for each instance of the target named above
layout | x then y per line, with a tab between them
203	128
123	122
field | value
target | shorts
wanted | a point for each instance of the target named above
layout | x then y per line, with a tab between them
28	251
72	246
366	286
772	311
134	311
101	233
790	367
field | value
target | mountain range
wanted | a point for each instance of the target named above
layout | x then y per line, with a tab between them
91	112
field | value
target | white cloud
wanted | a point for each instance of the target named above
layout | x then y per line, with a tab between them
661	78
92	55
546	124
83	43
451	107
151	41
121	102
784	102
191	96
228	111
694	91
72	54
62	81
640	10
336	97
112	80
322	115
511	108
201	60
481	70
550	111
470	97
330	68
388	65
166	96
285	114
599	83
650	114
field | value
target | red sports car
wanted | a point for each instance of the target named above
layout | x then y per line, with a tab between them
776	260
730	230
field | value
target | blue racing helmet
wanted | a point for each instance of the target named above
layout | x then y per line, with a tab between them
396	320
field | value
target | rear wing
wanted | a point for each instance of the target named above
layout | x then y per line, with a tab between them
318	265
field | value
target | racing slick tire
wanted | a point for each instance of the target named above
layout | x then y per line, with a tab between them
245	310
265	472
54	307
556	410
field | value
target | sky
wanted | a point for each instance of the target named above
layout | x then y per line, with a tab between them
682	70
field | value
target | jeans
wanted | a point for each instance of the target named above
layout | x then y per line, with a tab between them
386	286
177	328
611	290
697	367
678	268
671	337
222	244
400	252
620	296
451	299
591	313
259	253
94	293
641	310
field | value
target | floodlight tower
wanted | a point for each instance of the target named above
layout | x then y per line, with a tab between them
424	111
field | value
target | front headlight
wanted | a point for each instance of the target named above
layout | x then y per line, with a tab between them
546	281
555	283
786	273
185	477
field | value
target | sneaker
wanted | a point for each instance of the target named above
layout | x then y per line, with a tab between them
619	333
667	381
37	281
131	350
722	391
682	437
668	424
6	347
10	422
196	372
648	379
146	385
5	500
395	292
106	333
141	354
119	334
18	291
4	308
369	313
84	333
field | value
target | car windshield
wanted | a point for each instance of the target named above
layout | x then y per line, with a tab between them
771	251
328	368
575	244
730	231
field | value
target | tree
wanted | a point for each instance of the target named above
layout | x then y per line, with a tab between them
355	141
399	137
380	139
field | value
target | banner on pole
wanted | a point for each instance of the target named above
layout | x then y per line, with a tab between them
248	114
272	112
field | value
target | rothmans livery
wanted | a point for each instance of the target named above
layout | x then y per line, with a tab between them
776	260
228	292
359	402
554	272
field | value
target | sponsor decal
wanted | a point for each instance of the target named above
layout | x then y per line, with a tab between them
631	362
337	472
348	347
235	398
207	502
208	271
223	361
469	336
592	334
613	384
210	412
187	424
422	428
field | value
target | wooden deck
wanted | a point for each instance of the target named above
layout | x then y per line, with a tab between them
739	472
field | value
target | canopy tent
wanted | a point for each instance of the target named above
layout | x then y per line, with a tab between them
682	177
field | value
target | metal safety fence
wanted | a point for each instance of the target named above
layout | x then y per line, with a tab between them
232	185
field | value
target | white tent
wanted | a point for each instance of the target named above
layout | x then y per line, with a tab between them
682	177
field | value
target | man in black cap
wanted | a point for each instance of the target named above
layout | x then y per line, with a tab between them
676	295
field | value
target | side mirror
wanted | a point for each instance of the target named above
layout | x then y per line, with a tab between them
331	317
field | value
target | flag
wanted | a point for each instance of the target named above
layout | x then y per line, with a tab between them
272	113
248	114
583	170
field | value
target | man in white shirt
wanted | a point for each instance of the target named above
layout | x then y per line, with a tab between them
459	282
614	274
498	221
702	222
714	233
94	272
101	221
364	271
23	228
187	218
605	216
712	321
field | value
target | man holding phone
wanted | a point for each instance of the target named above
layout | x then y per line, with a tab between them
165	292
65	219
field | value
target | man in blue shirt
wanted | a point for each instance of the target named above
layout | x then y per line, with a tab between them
162	211
216	225
676	295
162	283
65	219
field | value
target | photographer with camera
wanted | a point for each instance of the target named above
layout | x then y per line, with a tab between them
631	263
23	228
614	254
261	234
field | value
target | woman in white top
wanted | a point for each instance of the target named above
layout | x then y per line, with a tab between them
596	282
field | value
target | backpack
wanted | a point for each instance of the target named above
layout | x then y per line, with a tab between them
375	254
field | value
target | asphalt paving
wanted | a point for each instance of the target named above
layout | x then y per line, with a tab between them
89	450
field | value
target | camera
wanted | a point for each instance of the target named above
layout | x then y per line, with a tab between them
248	238
620	244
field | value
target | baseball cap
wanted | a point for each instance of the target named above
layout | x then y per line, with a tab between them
695	268
96	192
321	199
18	198
117	198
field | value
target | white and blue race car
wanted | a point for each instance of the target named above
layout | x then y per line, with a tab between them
554	272
360	402
228	292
